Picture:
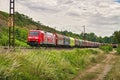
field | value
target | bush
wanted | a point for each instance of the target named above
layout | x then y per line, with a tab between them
21	34
3	39
106	48
20	43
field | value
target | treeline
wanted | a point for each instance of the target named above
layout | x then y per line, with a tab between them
91	37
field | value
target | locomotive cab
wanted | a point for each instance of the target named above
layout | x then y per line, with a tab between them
35	37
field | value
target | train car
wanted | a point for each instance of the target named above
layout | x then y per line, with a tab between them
59	39
84	43
66	41
98	44
72	42
35	37
80	43
49	39
114	45
89	44
94	44
77	43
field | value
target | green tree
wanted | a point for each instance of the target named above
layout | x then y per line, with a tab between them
106	39
100	39
91	37
117	36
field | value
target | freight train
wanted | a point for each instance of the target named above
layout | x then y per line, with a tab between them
43	38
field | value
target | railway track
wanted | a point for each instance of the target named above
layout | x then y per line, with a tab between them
6	48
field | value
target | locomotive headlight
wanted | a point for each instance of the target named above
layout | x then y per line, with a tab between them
29	37
36	37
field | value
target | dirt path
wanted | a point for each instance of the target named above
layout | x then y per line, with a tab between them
99	71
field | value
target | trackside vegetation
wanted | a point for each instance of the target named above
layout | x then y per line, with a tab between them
106	48
118	49
46	64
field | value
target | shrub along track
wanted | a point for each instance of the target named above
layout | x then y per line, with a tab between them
98	71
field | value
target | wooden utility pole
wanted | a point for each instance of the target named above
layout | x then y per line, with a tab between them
11	24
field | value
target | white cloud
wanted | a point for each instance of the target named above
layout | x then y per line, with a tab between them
100	16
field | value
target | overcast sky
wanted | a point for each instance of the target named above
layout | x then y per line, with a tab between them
99	16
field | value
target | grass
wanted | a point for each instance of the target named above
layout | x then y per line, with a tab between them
114	74
45	64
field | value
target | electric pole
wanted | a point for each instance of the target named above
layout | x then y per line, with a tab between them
84	32
11	24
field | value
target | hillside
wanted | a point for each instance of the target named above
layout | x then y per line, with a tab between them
23	24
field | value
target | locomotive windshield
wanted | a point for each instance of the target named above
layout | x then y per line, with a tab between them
34	33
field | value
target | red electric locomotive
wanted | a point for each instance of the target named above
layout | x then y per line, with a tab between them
39	37
35	37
